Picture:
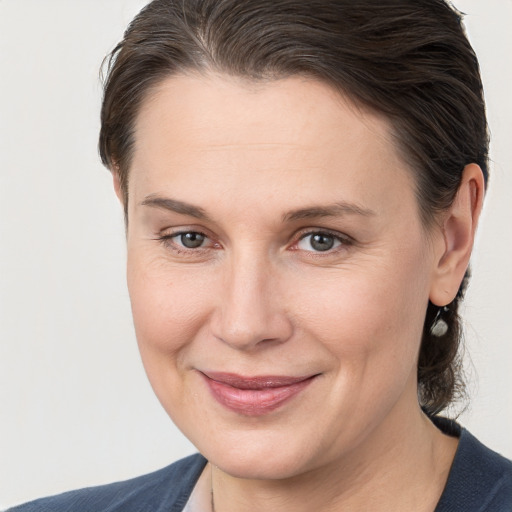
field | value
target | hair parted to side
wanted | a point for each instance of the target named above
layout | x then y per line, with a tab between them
409	60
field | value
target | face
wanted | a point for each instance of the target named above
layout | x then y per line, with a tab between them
278	269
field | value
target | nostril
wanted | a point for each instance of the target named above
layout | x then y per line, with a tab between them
248	313
248	337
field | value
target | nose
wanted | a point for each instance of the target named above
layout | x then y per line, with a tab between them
251	309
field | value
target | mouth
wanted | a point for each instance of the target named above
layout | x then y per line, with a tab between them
254	396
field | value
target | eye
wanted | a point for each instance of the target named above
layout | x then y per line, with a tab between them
188	243
185	240
189	239
319	242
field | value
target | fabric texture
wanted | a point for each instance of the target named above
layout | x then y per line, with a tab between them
165	490
480	480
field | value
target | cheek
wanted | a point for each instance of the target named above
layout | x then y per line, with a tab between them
367	317
169	304
370	324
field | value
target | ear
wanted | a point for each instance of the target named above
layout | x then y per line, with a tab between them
457	236
117	186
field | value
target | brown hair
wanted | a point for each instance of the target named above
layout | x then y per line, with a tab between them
407	59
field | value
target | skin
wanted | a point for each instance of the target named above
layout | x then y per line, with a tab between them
257	298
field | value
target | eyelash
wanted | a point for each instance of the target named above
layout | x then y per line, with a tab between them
344	242
168	243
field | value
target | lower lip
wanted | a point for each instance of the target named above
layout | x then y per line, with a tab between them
254	402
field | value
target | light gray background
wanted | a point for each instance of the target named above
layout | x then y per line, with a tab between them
75	406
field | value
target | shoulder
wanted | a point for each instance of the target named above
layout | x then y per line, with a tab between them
480	479
167	489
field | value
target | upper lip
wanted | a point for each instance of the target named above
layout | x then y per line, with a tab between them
255	382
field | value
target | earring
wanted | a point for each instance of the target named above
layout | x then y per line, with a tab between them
439	326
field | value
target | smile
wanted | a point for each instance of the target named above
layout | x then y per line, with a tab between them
254	396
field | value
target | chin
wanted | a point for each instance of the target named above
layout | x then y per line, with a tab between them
260	456
258	467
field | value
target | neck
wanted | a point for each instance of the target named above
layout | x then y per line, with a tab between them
399	467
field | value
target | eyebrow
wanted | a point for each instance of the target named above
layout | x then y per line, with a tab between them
173	205
334	210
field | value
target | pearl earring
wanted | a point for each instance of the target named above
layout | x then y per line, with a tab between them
439	326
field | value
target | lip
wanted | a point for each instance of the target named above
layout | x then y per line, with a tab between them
254	396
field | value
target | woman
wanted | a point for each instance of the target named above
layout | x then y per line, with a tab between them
302	185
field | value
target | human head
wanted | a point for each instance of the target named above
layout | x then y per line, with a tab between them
406	59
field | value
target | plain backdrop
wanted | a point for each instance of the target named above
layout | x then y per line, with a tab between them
75	405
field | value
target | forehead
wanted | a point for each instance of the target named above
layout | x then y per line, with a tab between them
289	110
193	131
